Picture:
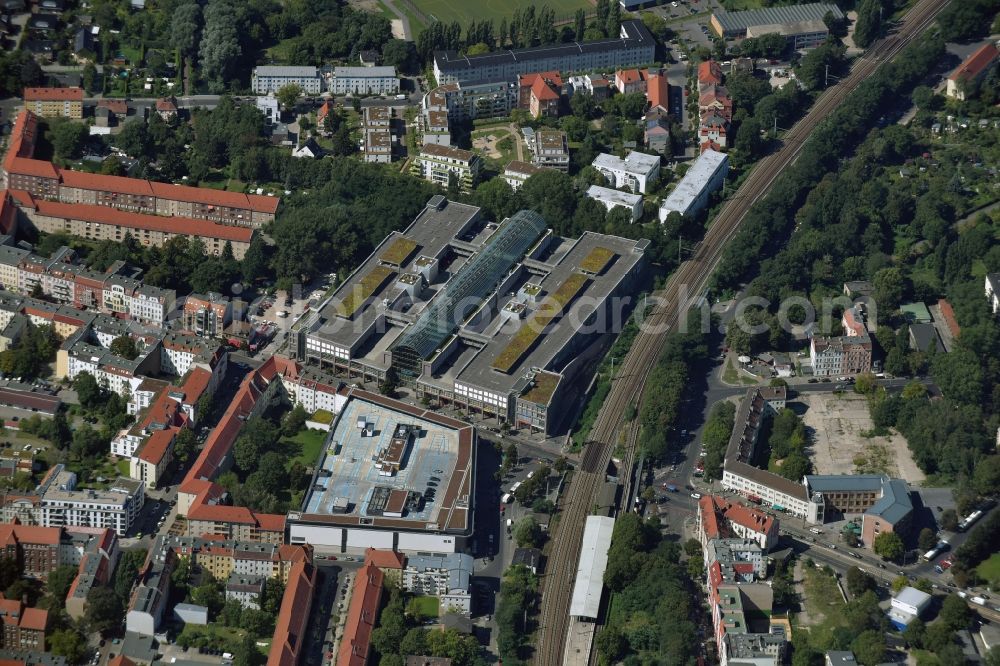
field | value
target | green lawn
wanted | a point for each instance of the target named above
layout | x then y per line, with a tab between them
427	606
216	636
309	443
990	570
123	467
466	11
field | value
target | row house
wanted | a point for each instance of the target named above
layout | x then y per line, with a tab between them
629	81
844	355
98	556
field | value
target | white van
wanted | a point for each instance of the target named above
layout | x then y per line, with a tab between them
815	530
506	499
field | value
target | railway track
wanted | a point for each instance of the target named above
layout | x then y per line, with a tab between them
629	384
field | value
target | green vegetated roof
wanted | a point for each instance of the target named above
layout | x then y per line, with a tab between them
363	290
597	260
399	251
322	416
532	329
542	388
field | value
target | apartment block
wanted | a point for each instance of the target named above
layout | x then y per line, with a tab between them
207	315
845	355
35	549
637	172
62	505
43	180
515	173
54	102
272	78
445	166
549	148
364	81
633	46
152	458
445	576
612	199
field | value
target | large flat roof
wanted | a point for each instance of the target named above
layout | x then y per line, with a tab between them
635	33
440	224
589	583
566	261
348	488
740	21
694	182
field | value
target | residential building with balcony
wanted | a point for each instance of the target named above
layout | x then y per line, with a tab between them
444	165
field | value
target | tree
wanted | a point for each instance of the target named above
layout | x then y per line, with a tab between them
68	643
527	533
889	546
914	632
209	595
89	77
868	24
400	54
898	583
247	653
185	28
220	46
949	520
125	346
865	383
88	391
869	647
889	288
104	609
692	547
859	582
185	445
955	613
611	643
288	95
67	138
927	539
748	140
127	572
294	421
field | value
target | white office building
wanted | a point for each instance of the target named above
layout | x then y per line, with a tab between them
617	199
364	81
268	105
705	176
636	172
271	78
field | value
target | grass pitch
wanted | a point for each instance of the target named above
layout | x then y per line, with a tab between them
466	11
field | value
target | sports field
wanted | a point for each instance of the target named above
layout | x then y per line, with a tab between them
466	11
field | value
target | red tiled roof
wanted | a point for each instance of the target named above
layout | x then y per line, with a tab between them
361	616
270	522
121	660
528	80
36	619
119	106
290	553
709	72
53	94
210	197
540	90
293	617
972	66
94	181
323	111
385	559
113	216
627	76
221	513
166	104
658	92
949	317
15	532
196	384
157	445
